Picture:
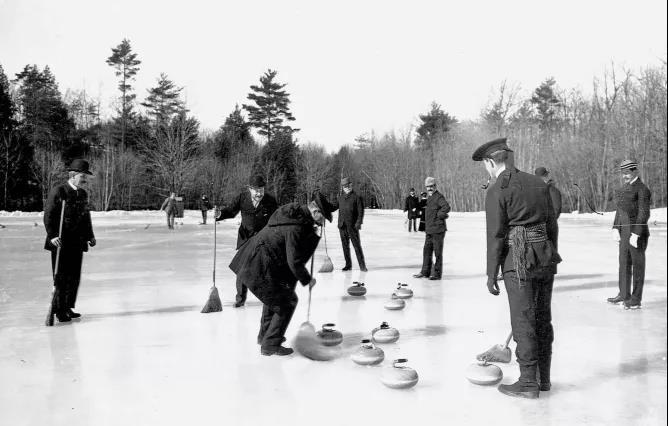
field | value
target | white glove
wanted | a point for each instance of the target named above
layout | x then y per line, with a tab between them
56	241
615	235
634	240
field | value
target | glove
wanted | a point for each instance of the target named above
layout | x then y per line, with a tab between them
311	283
358	226
634	240
92	242
56	242
492	286
615	235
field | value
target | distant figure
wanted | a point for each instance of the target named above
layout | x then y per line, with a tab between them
204	206
256	208
630	230
422	206
435	213
412	206
77	235
169	207
555	195
351	216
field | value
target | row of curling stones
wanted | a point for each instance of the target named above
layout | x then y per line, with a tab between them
330	336
397	376
370	354
397	301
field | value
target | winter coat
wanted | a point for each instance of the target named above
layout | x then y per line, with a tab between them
278	254
204	204
435	213
253	219
422	205
77	226
351	210
633	202
169	205
412	206
555	196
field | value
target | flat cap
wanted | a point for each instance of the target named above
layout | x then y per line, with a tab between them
485	150
541	171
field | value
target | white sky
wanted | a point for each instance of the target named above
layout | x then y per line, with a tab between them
351	66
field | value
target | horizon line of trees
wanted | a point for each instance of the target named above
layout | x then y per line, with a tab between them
140	157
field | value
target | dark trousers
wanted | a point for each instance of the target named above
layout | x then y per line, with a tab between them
348	234
277	312
170	219
242	291
412	222
204	217
433	244
632	268
530	303
68	278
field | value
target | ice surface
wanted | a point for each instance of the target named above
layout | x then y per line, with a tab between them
143	354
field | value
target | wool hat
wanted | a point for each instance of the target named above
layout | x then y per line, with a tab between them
487	149
429	181
628	165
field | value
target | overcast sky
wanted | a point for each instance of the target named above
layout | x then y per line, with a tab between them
351	66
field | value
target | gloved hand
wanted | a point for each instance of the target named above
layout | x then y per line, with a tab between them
358	226
492	286
634	240
56	241
311	283
92	242
615	235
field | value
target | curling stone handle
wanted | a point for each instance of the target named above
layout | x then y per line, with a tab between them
399	361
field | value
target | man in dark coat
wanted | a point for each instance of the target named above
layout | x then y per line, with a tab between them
422	206
169	207
435	213
77	235
412	206
204	206
630	230
555	197
351	216
272	262
256	208
520	233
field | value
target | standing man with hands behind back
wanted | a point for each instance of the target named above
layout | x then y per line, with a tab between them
435	213
351	216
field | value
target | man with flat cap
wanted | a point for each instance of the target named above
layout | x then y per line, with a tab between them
630	230
520	234
435	213
351	216
272	262
256	208
555	196
77	235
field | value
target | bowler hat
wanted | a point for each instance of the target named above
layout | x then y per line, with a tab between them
325	207
80	166
541	171
429	181
345	181
256	181
489	148
628	165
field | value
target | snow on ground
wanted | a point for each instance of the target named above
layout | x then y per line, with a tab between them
143	354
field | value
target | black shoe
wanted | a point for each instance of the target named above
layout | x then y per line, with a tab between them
434	277
545	387
239	304
615	300
631	304
63	317
73	314
419	275
520	390
346	268
276	350
363	269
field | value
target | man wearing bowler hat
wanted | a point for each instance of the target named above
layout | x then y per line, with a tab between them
77	235
520	240
256	208
273	260
351	216
631	232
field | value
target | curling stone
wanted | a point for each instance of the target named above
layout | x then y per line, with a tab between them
403	292
357	289
368	354
395	304
329	336
385	334
482	373
399	376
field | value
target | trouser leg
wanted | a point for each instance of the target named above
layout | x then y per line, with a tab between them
265	320
427	251
625	268
204	217
345	244
544	330
242	291
357	245
282	309
438	254
638	261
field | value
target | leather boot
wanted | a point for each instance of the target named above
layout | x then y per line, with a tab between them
544	364
520	390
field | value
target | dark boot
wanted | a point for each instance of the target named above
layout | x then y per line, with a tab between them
73	314
520	390
544	365
615	300
63	317
278	350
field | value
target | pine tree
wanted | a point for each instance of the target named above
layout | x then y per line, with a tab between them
164	101
547	104
434	125
278	164
126	66
233	136
271	110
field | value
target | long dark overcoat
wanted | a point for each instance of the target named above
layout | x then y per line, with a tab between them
77	226
253	219
435	213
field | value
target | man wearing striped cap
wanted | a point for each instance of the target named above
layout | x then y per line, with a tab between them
630	230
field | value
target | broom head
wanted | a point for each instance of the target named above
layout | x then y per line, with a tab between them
213	304
327	265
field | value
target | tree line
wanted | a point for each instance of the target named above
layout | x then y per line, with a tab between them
140	155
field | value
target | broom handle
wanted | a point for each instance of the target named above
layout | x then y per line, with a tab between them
308	312
324	233
60	236
510	336
215	222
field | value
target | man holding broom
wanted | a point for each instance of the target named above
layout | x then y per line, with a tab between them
271	262
77	235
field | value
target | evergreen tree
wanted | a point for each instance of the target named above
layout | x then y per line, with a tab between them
278	164
434	125
126	66
164	100
271	110
547	104
233	136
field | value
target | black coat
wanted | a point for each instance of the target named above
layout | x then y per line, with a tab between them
204	204
555	197
278	254
435	213
351	210
77	226
252	219
518	198
412	202
632	213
